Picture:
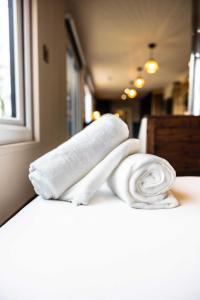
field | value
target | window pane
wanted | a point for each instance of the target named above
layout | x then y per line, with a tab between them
88	105
7	103
73	94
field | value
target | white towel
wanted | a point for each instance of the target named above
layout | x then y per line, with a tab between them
57	171
82	191
144	181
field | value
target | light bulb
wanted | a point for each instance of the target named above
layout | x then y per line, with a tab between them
139	82
132	93
126	91
123	97
151	66
96	115
117	114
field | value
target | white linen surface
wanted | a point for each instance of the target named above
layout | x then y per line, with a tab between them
82	191
144	181
52	250
53	173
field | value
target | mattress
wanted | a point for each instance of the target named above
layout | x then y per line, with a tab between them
52	250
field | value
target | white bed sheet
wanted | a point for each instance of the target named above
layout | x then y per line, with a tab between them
104	251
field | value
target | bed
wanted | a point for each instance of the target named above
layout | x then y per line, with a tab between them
52	250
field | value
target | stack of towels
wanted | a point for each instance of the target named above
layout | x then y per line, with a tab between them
102	152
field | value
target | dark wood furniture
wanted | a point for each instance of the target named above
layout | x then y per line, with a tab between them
176	138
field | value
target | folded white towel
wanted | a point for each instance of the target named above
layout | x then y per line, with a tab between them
55	172
143	181
82	191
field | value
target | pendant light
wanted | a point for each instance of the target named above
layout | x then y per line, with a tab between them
123	96
130	92
126	91
139	81
151	66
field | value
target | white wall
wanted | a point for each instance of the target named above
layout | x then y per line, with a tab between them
49	107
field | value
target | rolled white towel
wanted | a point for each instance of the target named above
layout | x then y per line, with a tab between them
144	181
83	190
53	173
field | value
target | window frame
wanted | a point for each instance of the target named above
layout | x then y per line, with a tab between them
19	128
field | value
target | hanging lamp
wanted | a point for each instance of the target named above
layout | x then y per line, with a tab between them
130	92
123	96
151	66
139	81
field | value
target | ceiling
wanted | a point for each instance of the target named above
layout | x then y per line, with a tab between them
114	35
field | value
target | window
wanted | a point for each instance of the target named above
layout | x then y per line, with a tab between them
88	105
15	71
7	110
73	93
74	85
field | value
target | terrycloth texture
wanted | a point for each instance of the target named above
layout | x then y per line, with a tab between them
56	171
82	191
144	181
